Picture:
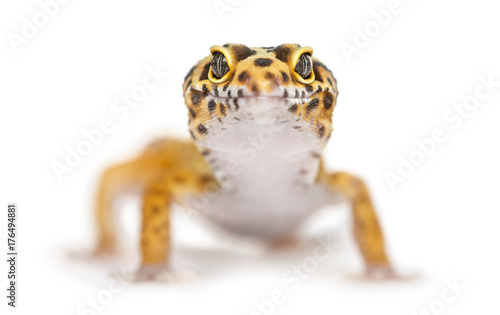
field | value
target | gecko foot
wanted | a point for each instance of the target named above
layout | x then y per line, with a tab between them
161	273
94	254
381	273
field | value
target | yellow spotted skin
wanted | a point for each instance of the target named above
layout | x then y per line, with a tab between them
250	78
173	171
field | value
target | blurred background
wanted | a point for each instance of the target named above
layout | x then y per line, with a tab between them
407	71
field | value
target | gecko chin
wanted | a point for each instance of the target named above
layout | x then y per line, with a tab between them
266	109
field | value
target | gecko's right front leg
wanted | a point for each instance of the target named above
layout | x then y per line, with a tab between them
155	232
166	172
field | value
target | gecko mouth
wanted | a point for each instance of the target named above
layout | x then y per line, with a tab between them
264	98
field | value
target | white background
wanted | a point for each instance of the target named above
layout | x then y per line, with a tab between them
442	222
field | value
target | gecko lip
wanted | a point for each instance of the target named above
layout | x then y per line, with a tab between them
264	97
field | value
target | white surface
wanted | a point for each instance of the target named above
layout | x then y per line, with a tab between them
442	222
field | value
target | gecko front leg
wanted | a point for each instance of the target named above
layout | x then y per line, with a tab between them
158	197
367	230
167	172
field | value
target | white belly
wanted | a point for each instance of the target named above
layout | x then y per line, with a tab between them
267	173
271	217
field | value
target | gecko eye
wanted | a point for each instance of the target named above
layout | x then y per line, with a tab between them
219	65
304	66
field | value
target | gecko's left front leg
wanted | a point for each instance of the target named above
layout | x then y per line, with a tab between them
367	229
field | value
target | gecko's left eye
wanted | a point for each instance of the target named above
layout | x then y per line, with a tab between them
304	66
219	65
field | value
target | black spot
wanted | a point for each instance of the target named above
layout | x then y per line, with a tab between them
189	83
202	129
197	96
320	89
255	88
222	109
317	75
229	94
263	62
205	152
242	77
303	94
236	105
211	106
270	76
204	88
282	53
309	88
296	93
328	101
242	52
204	73
225	45
312	105
189	73
321	131
293	108
268	48
240	93
192	112
285	77
322	65
285	94
192	134
216	92
330	81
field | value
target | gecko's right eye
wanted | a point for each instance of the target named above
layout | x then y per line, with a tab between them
221	65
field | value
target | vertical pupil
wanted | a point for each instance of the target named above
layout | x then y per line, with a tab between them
304	66
219	65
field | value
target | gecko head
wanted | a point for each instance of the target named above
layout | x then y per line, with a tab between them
262	85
